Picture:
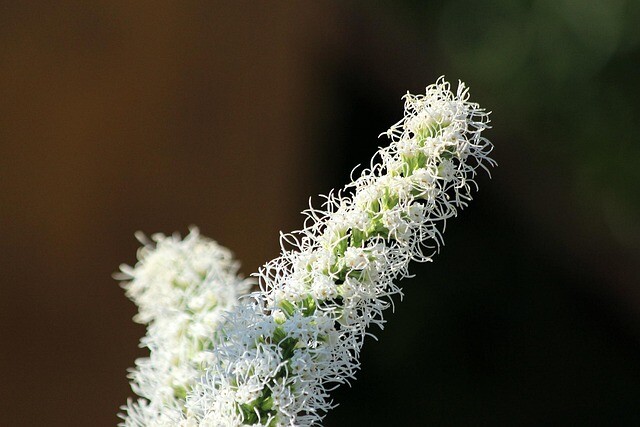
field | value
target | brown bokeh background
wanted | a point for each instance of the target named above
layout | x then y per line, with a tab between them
124	116
119	116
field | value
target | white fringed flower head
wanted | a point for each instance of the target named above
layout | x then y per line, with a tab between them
301	334
182	288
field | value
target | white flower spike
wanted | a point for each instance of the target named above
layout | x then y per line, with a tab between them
182	289
288	345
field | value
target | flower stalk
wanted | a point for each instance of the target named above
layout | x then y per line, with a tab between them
284	348
182	288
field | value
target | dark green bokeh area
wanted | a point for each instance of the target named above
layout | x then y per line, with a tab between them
529	315
495	334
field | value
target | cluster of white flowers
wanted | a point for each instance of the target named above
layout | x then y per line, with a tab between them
182	289
288	345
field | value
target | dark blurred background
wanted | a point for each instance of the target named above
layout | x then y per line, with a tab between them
118	116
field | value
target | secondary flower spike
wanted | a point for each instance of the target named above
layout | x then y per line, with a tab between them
284	348
182	289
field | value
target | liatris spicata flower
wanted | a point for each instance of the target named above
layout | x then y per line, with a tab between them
288	345
182	289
